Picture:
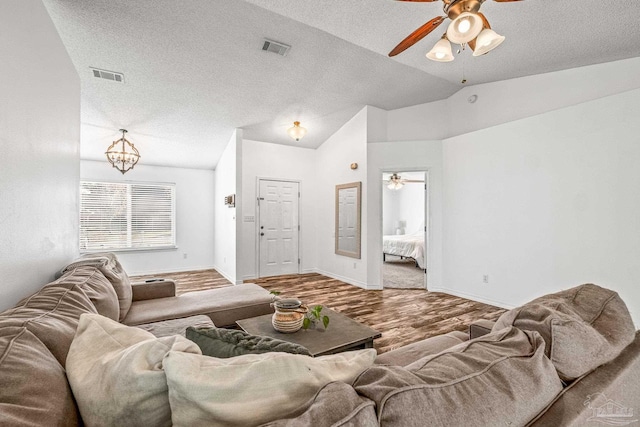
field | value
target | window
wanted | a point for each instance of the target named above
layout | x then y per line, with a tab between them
126	216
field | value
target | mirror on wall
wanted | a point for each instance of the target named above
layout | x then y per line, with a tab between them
348	219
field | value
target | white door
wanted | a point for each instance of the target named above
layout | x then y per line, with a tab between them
278	227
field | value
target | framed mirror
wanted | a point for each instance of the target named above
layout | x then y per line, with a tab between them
348	212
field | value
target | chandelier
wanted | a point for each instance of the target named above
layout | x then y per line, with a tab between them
122	154
297	132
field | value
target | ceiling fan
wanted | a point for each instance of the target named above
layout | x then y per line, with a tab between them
396	182
468	26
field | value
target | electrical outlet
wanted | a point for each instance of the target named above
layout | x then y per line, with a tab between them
184	255
354	265
485	278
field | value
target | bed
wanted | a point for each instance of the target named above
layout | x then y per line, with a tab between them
406	246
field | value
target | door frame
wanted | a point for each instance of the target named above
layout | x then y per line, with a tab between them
257	215
427	217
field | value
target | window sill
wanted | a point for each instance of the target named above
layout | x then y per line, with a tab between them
158	249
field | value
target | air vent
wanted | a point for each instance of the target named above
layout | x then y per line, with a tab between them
108	75
275	47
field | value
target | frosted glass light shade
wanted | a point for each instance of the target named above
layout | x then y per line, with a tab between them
464	28
441	52
395	185
297	132
487	41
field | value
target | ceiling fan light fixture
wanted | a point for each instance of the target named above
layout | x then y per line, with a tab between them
441	52
487	41
395	182
464	28
297	132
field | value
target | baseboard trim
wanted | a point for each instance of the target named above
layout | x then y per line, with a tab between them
172	270
342	278
227	276
473	297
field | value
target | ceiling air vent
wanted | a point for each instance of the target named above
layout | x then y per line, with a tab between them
275	47
108	75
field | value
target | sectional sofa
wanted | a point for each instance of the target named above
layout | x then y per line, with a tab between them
565	359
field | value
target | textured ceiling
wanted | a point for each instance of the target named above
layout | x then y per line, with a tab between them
194	69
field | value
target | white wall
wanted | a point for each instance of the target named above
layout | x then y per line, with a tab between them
194	216
546	203
403	205
348	145
40	139
280	162
226	183
508	100
405	156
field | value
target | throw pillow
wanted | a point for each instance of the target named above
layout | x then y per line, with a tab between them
223	343
583	327
502	378
252	389
115	372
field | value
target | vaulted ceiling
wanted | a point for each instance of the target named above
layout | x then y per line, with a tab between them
194	70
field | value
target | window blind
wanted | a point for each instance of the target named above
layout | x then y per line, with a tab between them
126	216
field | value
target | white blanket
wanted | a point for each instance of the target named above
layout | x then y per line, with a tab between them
406	245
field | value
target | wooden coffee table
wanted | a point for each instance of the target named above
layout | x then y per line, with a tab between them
343	333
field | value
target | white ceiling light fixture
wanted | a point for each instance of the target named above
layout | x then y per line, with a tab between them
464	28
395	182
122	154
486	41
297	132
441	52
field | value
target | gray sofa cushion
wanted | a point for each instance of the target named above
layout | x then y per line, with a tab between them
95	286
109	265
408	354
502	378
52	315
167	328
336	405
224	343
223	305
583	327
34	391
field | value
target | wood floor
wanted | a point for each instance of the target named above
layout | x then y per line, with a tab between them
402	316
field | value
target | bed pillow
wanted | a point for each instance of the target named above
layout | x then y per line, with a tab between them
583	327
115	372
252	389
223	343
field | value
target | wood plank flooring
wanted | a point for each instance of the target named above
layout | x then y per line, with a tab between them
402	316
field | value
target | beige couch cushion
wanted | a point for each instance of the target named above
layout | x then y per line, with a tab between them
51	314
503	378
337	405
583	327
251	389
34	389
167	328
223	305
408	354
95	286
109	265
116	374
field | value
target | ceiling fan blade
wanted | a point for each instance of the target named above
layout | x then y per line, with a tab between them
504	1
417	35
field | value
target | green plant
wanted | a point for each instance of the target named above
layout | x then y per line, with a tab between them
275	294
315	315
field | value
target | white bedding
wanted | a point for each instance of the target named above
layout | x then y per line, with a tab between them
406	245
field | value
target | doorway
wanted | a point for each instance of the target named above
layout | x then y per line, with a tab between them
404	229
278	227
